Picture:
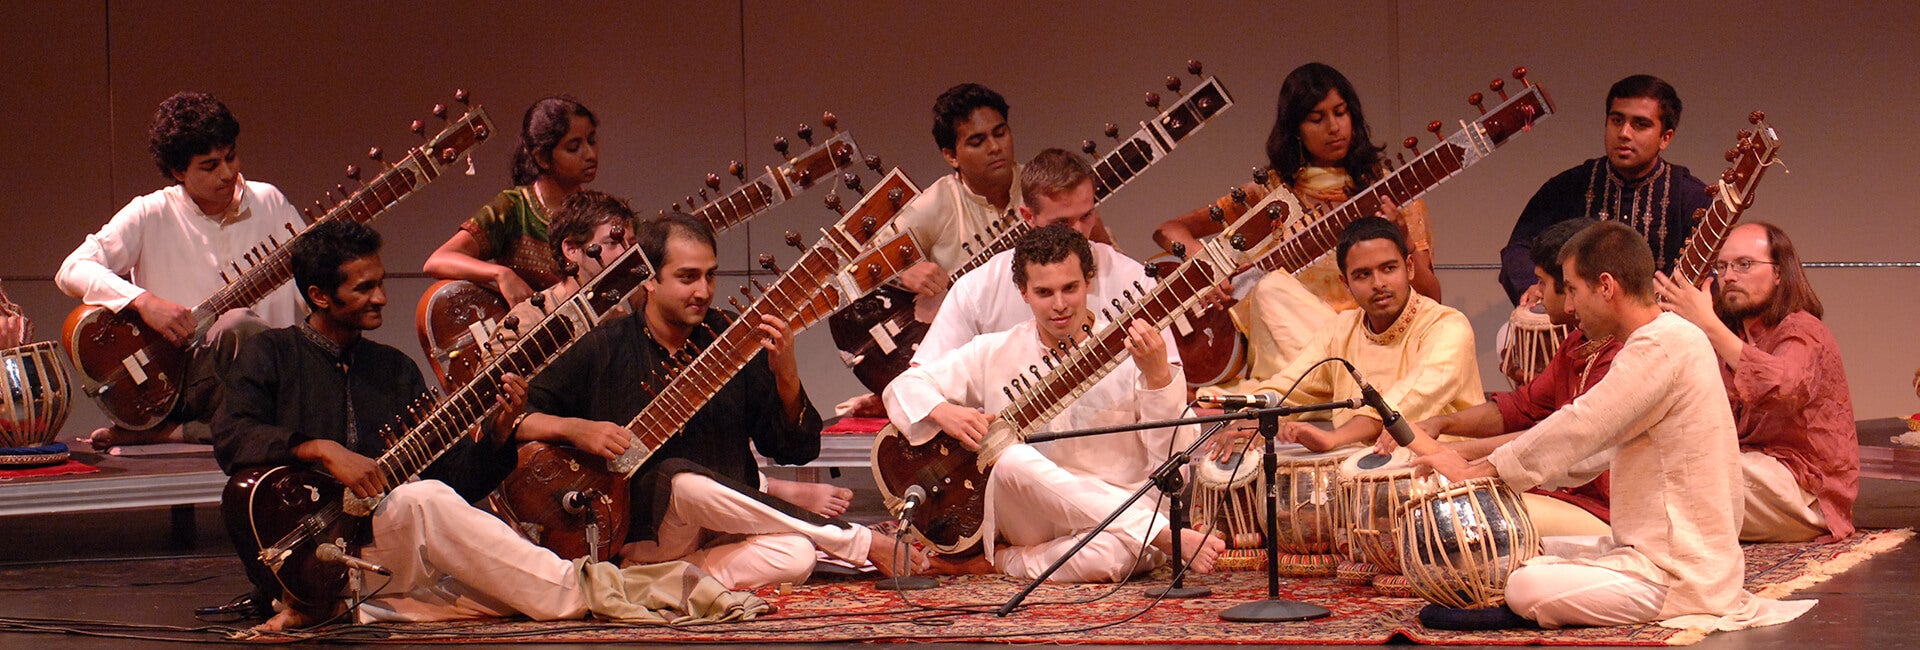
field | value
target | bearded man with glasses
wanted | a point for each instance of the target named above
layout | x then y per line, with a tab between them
1799	449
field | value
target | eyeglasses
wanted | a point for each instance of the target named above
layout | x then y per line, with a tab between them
1740	266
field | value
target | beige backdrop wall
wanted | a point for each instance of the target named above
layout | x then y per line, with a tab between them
682	88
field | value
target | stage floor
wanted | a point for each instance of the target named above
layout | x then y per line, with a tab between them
130	566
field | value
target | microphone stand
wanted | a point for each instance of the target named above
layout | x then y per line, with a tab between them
1274	608
1173	463
1172	484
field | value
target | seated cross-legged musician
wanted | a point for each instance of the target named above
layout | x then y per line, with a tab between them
316	395
504	245
1041	498
1320	151
1579	363
1661	412
1798	449
163	253
1417	352
1056	188
698	496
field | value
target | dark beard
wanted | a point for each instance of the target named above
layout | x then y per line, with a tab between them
1731	313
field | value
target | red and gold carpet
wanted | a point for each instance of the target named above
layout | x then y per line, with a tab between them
961	610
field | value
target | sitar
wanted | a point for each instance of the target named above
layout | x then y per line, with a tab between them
852	257
955	479
1205	348
279	516
456	317
1753	151
878	334
137	374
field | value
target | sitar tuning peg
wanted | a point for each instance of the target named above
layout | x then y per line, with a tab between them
1086	147
766	262
419	128
342	189
308	212
593	251
461	95
746	291
511	323
1173	83
1261	173
376	155
1150	270
440	111
1238	195
895	196
1276	211
1478	101
1434	128
539	301
806	134
1756	117
1153	101
852	181
1520	75
1216	214
833	203
713	182
1179	250
873	162
757	286
703	195
1498	86
735	302
1113	130
831	121
868	224
290	229
1239	242
353	172
738	170
1411	143
1193	67
780	145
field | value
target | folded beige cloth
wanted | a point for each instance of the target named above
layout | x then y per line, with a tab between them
674	593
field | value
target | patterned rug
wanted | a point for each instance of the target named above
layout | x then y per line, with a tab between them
961	610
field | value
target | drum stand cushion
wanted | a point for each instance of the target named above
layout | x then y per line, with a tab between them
1468	620
19	457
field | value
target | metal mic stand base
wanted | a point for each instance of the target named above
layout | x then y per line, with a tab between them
1170	482
1273	611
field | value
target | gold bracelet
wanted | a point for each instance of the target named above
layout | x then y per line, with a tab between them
515	428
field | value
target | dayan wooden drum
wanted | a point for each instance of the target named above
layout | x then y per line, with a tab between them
1308	483
1458	543
1228	496
35	394
1531	339
1374	489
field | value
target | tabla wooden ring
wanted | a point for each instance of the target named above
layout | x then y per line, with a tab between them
1228	497
1308	565
1355	573
35	394
1373	489
1392	585
1457	544
1531	341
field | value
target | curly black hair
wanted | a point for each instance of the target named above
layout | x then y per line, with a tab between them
319	252
956	106
1050	245
189	124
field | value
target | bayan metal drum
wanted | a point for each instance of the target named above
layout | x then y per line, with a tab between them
1531	339
1458	544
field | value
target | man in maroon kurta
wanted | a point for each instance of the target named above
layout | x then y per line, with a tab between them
1798	444
1575	367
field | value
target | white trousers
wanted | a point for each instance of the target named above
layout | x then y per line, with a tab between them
451	560
740	541
1777	510
1559	595
1042	510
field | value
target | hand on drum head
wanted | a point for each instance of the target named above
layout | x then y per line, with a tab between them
1451	464
964	424
1531	297
1231	441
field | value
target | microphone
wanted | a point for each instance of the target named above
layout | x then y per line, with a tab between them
575	502
331	552
1396	426
1261	400
914	497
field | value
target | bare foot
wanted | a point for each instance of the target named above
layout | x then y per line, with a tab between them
819	498
105	438
881	553
286	619
1202	550
864	406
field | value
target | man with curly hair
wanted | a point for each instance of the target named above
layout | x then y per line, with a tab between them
163	254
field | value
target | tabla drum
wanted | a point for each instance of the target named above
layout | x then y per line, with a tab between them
1228	496
35	394
1457	544
1308	483
1373	490
1530	340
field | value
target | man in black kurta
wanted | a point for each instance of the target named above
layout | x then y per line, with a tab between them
698	497
1632	184
315	395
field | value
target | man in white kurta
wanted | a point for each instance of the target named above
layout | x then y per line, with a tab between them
1674	555
1041	498
1056	188
165	252
1417	352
